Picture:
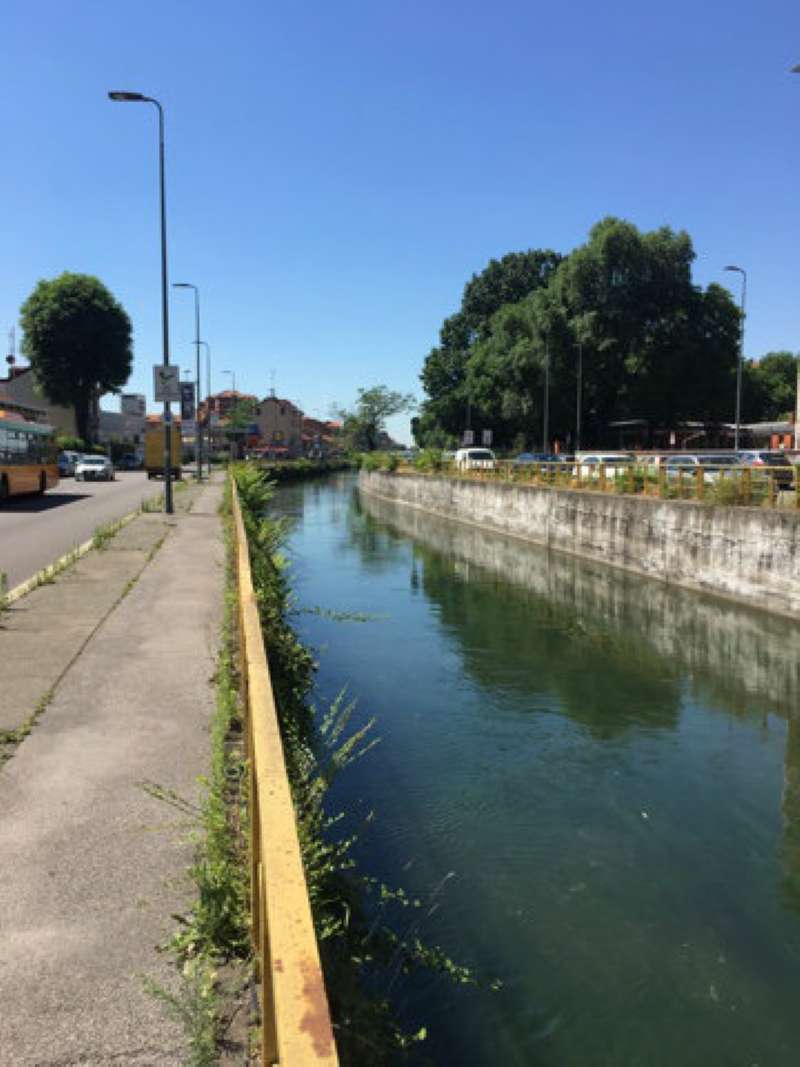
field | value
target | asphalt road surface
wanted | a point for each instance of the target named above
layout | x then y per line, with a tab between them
35	531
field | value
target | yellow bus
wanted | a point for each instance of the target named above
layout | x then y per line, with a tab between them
28	456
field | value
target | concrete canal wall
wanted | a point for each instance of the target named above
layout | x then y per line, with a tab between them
750	554
751	661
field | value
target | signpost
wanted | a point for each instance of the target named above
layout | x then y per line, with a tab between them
486	438
187	401
166	383
469	437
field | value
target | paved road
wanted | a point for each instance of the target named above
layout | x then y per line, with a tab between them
36	531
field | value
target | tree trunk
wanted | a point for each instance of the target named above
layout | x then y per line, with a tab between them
81	406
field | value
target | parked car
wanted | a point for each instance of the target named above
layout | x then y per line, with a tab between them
587	464
94	469
537	457
689	462
783	476
130	462
67	462
475	459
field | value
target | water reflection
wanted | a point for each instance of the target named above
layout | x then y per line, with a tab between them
647	640
747	661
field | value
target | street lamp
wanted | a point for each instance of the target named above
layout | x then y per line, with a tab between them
579	404
546	412
796	70
198	437
233	376
208	403
121	96
743	273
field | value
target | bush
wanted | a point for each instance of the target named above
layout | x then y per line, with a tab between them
429	459
370	461
67	443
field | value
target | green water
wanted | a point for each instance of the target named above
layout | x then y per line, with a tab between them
593	782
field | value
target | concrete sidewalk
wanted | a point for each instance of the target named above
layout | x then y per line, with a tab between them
91	866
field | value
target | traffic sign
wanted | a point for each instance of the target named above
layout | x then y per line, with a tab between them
187	400
167	385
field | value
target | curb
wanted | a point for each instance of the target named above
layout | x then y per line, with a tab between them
61	564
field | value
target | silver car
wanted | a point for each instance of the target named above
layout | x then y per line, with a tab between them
94	469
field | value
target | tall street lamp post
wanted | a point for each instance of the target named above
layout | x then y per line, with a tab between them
546	411
207	347
198	436
124	97
743	273
796	70
233	377
578	402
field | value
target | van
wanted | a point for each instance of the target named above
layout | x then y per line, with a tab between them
154	450
470	459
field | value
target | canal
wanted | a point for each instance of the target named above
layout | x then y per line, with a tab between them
593	783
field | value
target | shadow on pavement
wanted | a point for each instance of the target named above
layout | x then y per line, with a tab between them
42	503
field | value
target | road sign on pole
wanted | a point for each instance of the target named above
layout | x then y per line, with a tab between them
187	401
166	383
486	437
468	438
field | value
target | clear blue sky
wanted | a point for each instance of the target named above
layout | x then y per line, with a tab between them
336	172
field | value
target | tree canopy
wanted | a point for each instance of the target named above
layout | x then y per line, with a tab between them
652	345
365	425
78	340
769	387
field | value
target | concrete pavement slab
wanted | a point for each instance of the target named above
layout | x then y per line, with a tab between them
92	866
44	631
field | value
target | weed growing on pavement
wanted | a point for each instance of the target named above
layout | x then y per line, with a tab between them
216	929
195	1004
3	590
152	504
11	739
105	533
49	574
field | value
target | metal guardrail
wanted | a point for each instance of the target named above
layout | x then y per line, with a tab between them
733	486
296	1025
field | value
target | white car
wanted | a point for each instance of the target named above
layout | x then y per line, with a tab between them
588	464
470	459
94	469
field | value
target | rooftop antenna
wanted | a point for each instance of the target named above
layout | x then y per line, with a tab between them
272	382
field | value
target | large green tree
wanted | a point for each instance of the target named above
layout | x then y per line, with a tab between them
77	337
444	375
365	425
652	344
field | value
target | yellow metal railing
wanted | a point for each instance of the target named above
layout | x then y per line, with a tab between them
296	1025
735	486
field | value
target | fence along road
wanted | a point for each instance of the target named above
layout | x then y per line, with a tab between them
296	1026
